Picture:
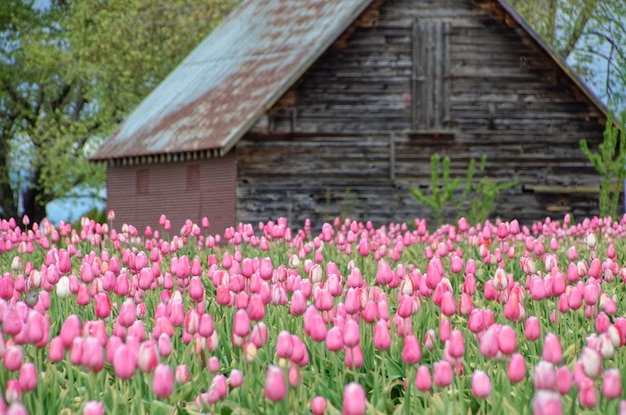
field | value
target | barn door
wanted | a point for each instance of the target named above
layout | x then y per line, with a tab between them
430	81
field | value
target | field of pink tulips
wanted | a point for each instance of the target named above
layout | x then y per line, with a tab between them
273	319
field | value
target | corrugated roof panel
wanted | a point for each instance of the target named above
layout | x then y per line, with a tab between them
212	98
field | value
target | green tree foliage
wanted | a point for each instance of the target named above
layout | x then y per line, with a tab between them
590	35
71	71
609	162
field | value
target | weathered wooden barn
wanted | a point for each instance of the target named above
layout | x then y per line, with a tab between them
304	108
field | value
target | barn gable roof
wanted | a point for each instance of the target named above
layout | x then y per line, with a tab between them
240	70
217	93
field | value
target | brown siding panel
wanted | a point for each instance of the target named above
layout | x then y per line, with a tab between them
168	193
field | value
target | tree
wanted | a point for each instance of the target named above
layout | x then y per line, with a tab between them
590	35
71	71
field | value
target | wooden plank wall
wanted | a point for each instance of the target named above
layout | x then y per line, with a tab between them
504	98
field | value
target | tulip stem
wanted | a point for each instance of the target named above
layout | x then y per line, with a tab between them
407	398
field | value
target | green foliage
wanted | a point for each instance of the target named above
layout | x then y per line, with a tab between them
484	194
347	208
480	197
72	71
610	163
442	192
590	36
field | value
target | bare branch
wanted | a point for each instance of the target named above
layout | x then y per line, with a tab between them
579	27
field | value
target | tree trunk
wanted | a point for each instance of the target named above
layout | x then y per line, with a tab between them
34	208
7	197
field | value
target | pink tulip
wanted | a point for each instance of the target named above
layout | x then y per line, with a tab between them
259	334
300	355
489	342
564	380
250	352
552	350
517	368
423	381
465	304
12	322
612	384
37	327
12	391
236	378
214	365
444	330
181	374
92	354
411	353
147	358
481	384
507	341
205	325
176	310
353	357
318	405
284	344
317	328
196	289
7	284
354	401
164	345
591	362
13	357
334	339
82	296
382	336
602	323
275	385
587	394
448	304
76	351
125	362
456	344
442	373
102	305
241	325
591	292
93	408
532	329
56	352
298	303
137	329
128	313
575	298
28	377
255	305
475	322
163	381
544	376
192	321
294	375
595	269
70	330
469	285
351	334
546	403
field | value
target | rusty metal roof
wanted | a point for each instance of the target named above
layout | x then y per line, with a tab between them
217	93
240	70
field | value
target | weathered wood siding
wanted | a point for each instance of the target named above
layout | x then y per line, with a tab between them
139	194
488	89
